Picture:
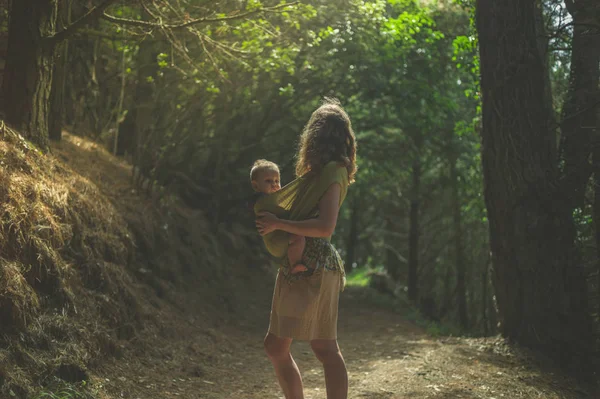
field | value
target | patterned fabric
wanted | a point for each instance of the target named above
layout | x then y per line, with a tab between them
319	254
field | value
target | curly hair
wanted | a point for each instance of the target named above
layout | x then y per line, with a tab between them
327	137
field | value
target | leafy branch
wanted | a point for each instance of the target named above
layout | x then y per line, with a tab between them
147	24
70	30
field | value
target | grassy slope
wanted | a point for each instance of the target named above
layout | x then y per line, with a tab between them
87	263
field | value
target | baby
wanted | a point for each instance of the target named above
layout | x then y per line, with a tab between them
264	176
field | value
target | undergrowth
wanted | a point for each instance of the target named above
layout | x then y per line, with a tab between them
362	281
358	277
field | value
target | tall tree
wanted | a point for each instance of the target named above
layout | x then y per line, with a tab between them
138	122
459	252
581	103
414	233
581	112
57	92
27	83
539	279
29	67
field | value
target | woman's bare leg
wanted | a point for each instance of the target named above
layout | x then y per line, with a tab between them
288	374
336	376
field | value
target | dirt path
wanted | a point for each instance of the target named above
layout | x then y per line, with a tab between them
387	357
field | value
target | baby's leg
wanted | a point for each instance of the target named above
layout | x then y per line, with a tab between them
295	250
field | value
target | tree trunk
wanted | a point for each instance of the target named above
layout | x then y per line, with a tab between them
459	253
543	44
579	114
353	234
29	66
492	312
484	299
134	131
82	91
594	95
539	277
57	94
144	100
391	258
448	296
413	235
596	212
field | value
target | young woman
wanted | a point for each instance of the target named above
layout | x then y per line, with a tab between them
305	306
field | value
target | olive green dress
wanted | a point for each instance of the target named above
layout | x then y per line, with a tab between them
305	305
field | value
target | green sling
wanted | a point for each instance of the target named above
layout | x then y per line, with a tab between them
299	200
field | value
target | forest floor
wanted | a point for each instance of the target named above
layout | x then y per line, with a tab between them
200	352
387	358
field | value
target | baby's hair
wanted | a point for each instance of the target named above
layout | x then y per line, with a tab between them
262	165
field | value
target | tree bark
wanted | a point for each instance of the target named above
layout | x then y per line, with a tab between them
484	299
57	94
448	295
592	39
596	208
581	114
29	67
596	212
579	110
543	43
539	277
413	235
27	83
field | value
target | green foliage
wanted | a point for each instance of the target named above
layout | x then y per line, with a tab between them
359	277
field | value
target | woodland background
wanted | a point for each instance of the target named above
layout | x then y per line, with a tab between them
477	126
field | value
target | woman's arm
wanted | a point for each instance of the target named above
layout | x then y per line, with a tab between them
322	226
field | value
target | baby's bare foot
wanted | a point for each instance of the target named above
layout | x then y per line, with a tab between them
299	269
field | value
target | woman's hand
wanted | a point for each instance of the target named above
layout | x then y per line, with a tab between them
266	223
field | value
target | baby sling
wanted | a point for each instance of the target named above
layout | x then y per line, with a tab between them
299	200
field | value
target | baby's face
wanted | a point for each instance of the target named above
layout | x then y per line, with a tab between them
267	182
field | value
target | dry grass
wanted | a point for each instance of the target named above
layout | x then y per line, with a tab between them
63	247
87	262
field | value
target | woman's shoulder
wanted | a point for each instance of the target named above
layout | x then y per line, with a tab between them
335	169
334	166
